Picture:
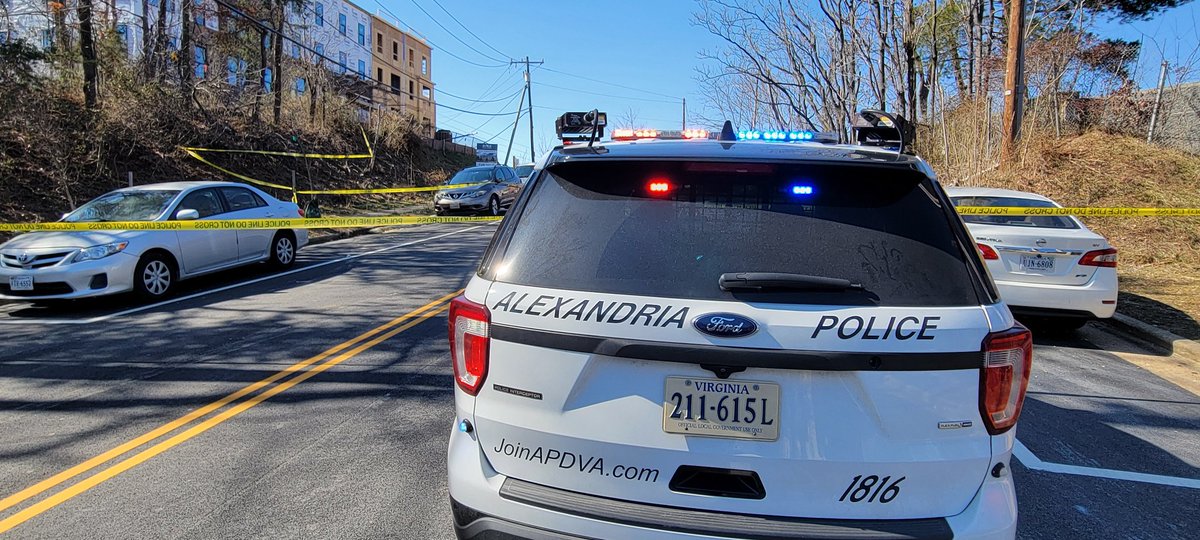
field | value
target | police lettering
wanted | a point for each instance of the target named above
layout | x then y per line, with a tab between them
876	328
600	311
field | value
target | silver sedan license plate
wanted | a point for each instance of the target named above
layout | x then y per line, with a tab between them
20	283
455	205
721	408
1037	263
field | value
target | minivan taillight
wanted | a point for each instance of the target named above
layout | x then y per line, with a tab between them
1104	258
469	343
1008	360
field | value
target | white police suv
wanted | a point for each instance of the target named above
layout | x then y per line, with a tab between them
734	339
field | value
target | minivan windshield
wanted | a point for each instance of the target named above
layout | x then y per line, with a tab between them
1049	222
672	229
140	205
474	175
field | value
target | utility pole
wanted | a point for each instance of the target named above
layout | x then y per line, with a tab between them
684	114
529	91
1014	82
1162	81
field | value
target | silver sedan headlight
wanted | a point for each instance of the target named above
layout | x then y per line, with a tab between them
99	252
474	194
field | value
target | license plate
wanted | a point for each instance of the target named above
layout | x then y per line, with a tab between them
1037	263
455	205
721	408
20	283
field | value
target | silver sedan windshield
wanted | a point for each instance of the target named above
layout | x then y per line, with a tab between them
125	206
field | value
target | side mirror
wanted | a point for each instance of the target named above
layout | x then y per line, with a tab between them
187	214
64	216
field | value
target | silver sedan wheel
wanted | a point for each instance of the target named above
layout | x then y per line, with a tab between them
284	250
156	277
494	206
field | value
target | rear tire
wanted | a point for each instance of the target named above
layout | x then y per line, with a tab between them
494	206
155	276
283	250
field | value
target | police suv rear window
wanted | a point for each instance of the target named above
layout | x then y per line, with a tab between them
671	229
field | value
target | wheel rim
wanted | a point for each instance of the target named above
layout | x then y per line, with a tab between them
495	207
283	250
156	277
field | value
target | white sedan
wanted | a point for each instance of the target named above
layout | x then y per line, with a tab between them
1052	268
42	266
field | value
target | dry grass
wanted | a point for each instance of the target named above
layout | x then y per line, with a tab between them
1160	257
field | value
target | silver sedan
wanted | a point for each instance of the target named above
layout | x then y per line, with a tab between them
77	264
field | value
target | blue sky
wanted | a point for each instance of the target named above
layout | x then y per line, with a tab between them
647	49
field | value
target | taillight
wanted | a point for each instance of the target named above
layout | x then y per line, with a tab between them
988	253
1104	258
1008	358
300	211
469	343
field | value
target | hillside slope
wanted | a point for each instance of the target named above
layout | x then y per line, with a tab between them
1159	257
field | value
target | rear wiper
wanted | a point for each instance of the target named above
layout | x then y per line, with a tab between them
759	281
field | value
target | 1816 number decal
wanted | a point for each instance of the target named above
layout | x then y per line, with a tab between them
860	488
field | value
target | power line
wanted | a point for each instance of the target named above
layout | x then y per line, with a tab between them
451	32
508	97
611	83
434	45
607	95
464	27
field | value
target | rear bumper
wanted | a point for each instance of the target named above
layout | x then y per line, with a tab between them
487	504
1087	300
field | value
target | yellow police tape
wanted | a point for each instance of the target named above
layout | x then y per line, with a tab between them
1075	211
370	152
383	221
232	224
384	190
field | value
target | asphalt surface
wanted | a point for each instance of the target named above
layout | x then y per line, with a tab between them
356	449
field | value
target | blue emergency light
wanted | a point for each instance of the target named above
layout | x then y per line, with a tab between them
800	189
775	135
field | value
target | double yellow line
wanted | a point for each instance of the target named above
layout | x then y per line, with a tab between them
302	370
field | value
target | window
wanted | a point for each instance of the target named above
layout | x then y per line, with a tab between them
320	52
295	50
122	32
200	55
47	39
342	62
871	225
362	69
379	42
395	51
301	85
411	92
199	12
266	36
1049	222
152	2
424	66
362	34
342	23
379	74
268	78
320	14
396	82
3	35
173	43
241	199
426	92
410	58
205	201
235	69
171	6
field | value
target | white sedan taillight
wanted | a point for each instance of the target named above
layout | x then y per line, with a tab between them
469	343
1104	258
1005	376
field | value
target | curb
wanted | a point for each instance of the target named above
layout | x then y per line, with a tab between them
1178	346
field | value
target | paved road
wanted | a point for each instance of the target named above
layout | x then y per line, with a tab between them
177	437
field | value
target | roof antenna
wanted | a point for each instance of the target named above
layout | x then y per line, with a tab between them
727	133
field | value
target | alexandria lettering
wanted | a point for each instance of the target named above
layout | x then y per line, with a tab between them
600	311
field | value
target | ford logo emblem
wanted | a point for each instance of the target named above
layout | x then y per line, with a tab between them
725	325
